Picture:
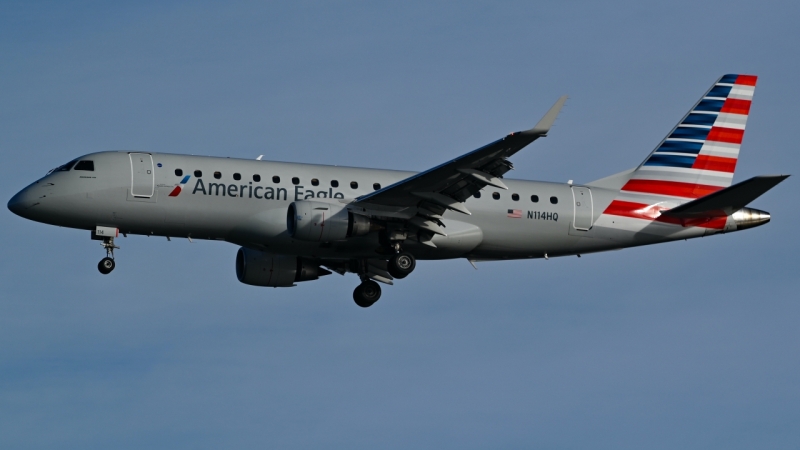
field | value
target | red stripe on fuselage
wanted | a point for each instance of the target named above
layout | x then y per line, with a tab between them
653	213
631	209
717	163
175	191
673	188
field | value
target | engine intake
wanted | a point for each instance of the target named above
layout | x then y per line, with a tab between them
266	269
324	222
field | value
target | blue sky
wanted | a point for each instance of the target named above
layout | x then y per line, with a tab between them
683	345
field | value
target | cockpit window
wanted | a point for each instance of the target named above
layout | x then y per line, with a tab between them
85	165
65	167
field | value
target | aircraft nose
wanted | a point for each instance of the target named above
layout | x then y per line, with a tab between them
19	203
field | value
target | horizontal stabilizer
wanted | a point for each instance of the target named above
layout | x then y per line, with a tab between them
726	201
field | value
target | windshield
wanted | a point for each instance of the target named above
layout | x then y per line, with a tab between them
63	168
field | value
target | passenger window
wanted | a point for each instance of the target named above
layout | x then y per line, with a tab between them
178	172
256	178
354	185
85	165
477	195
66	166
515	197
295	180
334	183
554	200
198	173
237	177
496	195
535	198
376	186
276	179
217	175
314	182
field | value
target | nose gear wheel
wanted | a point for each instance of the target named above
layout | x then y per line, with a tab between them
107	264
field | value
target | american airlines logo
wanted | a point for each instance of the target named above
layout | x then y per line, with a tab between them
179	187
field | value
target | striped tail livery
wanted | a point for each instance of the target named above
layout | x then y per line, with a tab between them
696	159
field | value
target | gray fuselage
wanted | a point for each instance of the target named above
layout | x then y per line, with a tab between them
252	213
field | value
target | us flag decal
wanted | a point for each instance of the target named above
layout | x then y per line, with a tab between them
515	213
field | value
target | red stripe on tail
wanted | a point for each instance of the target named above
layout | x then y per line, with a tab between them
716	163
736	106
672	188
747	80
722	134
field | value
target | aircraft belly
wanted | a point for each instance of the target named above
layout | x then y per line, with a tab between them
461	238
632	231
263	226
523	238
218	219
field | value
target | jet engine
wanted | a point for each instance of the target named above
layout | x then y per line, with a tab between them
266	269
324	222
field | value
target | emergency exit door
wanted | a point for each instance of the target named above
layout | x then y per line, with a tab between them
142	175
584	210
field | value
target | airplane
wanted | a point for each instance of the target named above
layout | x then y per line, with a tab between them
296	222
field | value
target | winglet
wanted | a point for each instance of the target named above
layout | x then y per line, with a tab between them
547	121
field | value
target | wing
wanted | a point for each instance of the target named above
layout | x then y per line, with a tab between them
422	199
461	177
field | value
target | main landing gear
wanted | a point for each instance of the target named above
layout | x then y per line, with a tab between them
402	264
368	292
107	264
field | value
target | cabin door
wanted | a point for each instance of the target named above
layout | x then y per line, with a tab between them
143	178
584	211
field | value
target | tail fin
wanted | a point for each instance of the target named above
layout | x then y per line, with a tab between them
697	158
699	155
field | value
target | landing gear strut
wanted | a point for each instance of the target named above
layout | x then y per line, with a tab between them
107	264
367	293
402	264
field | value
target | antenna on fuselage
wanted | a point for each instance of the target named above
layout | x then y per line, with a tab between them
259	157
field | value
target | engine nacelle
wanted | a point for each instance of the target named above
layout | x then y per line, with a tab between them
324	222
265	269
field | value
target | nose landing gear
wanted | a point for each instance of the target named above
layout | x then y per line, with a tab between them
107	264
